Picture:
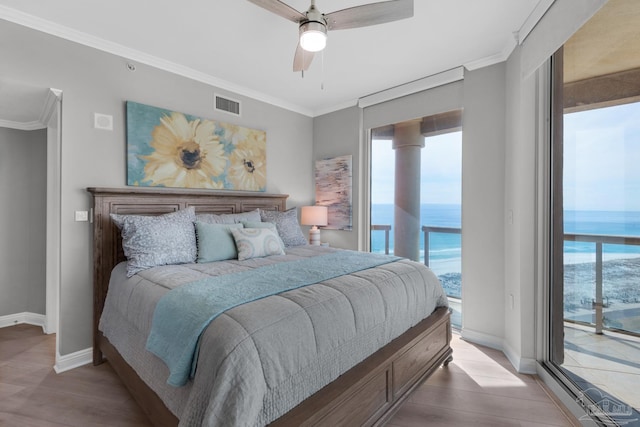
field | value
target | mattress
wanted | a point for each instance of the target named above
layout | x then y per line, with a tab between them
260	359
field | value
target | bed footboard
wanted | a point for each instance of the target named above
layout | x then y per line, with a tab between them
372	391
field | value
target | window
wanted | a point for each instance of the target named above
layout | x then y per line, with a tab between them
416	186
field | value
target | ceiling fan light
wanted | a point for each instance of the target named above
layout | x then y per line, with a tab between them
313	36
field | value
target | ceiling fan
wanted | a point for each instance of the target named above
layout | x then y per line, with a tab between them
313	24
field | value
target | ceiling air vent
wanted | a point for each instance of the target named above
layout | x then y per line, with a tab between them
227	105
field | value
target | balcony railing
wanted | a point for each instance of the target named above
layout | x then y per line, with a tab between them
598	240
426	231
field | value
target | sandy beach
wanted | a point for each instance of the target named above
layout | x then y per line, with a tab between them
621	291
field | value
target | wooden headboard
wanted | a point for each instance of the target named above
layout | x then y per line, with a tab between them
107	242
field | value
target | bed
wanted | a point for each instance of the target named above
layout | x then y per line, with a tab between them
365	389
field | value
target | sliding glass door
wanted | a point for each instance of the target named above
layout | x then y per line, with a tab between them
595	278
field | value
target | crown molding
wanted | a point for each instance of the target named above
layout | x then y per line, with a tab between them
517	39
337	107
532	20
34	125
501	56
434	80
70	34
53	95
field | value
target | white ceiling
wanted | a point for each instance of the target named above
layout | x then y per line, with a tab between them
243	48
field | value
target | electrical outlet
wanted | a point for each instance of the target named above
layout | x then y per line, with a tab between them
82	216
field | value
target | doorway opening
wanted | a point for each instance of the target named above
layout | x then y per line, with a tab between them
29	112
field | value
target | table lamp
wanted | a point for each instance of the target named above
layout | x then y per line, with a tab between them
314	216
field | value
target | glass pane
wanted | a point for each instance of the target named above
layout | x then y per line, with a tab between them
601	277
441	192
382	191
440	201
598	273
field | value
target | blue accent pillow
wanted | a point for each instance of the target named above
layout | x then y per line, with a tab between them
149	241
256	243
215	242
287	225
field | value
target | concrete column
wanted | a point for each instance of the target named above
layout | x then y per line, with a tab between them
407	143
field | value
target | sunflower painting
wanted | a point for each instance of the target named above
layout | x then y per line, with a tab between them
170	149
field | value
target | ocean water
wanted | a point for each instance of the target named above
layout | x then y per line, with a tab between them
610	223
445	249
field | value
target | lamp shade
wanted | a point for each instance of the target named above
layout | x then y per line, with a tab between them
314	215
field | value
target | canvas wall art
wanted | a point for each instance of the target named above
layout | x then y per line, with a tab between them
333	189
171	149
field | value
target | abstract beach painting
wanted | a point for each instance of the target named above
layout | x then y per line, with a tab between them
333	189
171	149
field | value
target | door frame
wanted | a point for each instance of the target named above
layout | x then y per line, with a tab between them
52	120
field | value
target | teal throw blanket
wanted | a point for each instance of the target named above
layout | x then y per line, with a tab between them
183	313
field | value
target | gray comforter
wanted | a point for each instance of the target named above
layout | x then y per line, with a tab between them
259	360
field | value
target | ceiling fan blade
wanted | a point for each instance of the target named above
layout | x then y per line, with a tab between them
281	9
302	59
370	14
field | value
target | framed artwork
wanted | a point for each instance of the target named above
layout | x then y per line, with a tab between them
333	190
172	149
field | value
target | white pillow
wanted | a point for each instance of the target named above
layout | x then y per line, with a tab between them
256	242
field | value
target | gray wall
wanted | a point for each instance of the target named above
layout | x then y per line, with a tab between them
94	81
23	196
483	147
338	134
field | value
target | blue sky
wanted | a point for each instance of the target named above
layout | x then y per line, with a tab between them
602	159
441	165
601	163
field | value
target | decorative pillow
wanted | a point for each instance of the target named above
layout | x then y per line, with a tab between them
287	224
149	241
271	226
237	218
256	242
215	242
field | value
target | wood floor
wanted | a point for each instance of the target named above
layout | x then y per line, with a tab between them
478	388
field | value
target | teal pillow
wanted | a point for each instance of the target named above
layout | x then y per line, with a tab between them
256	242
215	242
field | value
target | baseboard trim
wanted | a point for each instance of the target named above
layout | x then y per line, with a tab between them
523	365
482	339
73	360
24	318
